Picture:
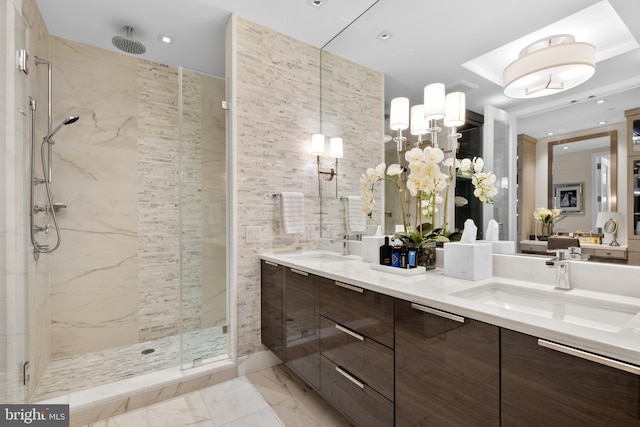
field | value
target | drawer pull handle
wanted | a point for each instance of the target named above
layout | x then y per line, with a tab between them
349	377
273	264
590	356
349	332
350	287
438	312
302	273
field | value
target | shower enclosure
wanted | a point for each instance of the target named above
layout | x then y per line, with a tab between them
139	283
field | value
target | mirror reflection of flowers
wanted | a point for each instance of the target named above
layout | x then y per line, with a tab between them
426	182
545	215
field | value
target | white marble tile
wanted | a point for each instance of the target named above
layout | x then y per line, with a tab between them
232	400
137	418
262	418
189	409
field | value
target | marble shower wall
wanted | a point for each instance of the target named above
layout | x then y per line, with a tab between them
94	283
277	110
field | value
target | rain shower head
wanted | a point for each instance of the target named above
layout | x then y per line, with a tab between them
128	44
67	121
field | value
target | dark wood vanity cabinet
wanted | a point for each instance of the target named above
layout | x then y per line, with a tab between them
447	368
272	307
383	361
357	356
544	386
303	325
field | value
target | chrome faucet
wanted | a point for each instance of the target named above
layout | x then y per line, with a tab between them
345	243
561	263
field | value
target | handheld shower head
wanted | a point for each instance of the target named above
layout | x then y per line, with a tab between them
67	121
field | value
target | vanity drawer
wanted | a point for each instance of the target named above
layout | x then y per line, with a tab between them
365	312
608	253
533	249
368	360
355	399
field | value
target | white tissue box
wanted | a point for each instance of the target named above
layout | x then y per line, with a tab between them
371	248
469	261
501	246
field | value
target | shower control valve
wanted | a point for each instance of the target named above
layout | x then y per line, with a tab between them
44	229
38	209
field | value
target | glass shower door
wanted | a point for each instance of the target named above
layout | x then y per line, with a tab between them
204	334
14	193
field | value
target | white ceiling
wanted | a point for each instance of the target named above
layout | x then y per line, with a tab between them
431	41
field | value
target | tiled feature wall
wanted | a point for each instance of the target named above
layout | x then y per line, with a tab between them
158	201
278	108
353	109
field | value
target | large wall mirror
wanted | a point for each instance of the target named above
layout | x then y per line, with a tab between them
389	37
582	180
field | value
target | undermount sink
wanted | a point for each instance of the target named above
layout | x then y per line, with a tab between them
554	304
321	257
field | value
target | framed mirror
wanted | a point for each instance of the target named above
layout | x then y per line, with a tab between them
582	179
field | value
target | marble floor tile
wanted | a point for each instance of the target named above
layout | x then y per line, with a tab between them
273	397
232	400
186	410
295	403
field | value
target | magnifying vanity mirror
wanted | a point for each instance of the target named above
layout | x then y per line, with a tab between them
611	227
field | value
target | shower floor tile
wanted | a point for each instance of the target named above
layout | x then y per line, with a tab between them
79	372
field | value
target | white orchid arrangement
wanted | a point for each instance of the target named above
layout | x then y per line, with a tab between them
546	215
426	182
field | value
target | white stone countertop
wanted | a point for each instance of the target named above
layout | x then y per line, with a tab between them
434	289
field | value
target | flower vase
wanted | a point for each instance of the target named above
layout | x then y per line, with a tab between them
546	231
427	256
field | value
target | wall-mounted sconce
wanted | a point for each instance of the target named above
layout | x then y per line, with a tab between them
335	151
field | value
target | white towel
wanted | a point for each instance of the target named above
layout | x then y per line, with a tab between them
356	219
292	204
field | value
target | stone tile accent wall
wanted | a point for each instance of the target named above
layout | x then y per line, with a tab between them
278	108
159	201
277	105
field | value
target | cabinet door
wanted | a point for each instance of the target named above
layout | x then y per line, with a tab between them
303	325
447	369
272	308
542	386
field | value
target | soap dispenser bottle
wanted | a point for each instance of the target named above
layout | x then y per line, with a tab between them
385	252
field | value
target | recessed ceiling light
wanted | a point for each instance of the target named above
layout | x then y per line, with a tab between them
602	122
601	101
565	147
550	133
385	35
165	39
317	3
